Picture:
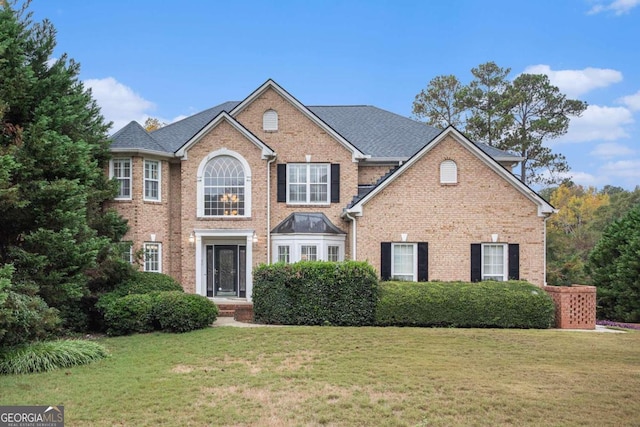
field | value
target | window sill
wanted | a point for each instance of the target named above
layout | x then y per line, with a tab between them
448	184
223	218
123	200
308	205
152	202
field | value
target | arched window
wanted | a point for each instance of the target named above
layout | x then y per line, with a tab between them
448	172
270	121
224	187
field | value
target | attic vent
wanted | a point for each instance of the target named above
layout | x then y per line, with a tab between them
448	172
270	121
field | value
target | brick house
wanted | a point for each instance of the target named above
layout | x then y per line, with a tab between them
269	179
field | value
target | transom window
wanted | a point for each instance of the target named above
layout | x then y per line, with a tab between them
152	180
403	266
308	183
224	187
494	262
121	171
153	257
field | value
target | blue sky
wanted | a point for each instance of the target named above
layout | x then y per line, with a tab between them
172	59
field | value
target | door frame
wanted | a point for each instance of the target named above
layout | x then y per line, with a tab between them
204	237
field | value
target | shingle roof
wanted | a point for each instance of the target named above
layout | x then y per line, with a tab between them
376	132
135	136
305	222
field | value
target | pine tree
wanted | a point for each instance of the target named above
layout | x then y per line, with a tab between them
53	151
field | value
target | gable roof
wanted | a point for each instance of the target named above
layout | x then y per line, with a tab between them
356	206
270	84
224	116
369	132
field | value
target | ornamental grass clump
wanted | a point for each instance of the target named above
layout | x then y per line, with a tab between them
49	355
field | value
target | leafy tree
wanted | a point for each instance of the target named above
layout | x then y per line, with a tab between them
539	112
516	116
152	124
440	104
614	265
53	151
571	233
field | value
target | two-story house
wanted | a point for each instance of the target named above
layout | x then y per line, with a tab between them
269	179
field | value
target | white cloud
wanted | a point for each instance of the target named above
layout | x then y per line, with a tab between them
625	169
598	123
619	7
582	178
119	103
631	101
609	150
574	83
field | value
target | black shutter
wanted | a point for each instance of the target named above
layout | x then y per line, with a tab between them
282	182
423	261
476	262
385	261
514	261
335	183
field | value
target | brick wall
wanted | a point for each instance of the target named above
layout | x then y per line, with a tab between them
451	217
575	306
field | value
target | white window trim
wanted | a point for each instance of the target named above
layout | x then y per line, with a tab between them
339	252
200	183
452	176
159	270
129	178
414	277
145	179
308	184
296	241
505	261
277	257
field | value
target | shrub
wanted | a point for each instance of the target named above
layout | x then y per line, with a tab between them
128	314
143	282
513	304
24	316
179	312
49	355
315	293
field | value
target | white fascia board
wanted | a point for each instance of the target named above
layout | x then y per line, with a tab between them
356	154
544	208
374	161
182	152
141	151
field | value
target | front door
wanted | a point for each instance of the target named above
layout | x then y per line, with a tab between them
225	270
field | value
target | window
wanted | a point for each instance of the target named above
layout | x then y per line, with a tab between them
403	265
308	253
121	170
153	257
308	183
224	187
152	180
126	253
283	254
333	253
270	121
448	172
494	262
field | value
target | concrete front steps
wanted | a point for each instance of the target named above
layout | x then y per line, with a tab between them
240	311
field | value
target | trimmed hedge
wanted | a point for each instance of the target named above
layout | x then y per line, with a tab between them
143	282
315	293
512	304
179	312
167	311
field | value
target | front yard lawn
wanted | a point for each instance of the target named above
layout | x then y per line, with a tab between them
285	376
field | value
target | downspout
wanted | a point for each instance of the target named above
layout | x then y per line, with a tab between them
353	235
544	258
271	160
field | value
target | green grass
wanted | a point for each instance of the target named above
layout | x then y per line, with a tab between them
347	376
49	355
